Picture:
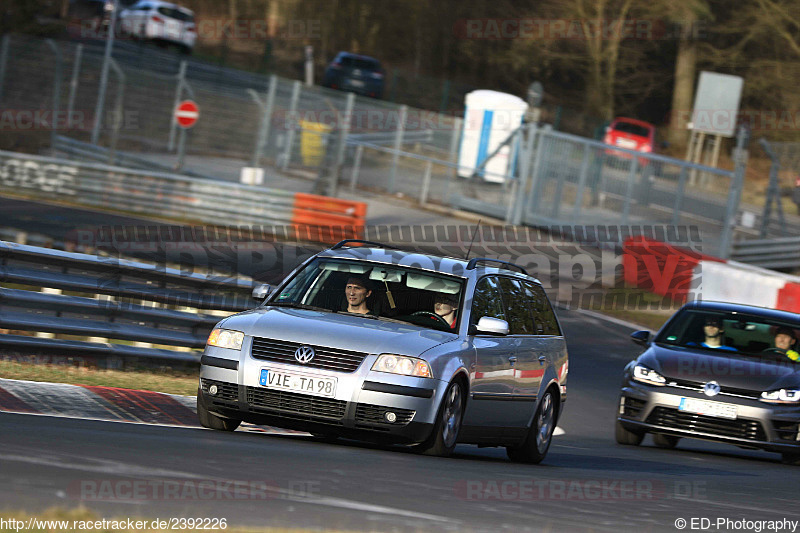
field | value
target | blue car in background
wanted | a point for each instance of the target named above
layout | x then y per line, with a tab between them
355	73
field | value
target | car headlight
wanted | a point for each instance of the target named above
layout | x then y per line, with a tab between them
406	366
781	396
226	338
646	375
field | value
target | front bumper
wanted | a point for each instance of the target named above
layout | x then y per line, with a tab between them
757	425
358	410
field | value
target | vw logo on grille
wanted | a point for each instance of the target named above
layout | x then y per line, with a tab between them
304	354
711	388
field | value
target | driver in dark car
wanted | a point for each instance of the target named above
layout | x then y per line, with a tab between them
785	343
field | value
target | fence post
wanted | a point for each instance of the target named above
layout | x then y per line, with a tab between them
626	208
101	93
734	196
175	101
584	173
426	183
341	148
526	157
773	192
266	118
293	123
118	117
676	210
398	144
56	88
356	167
528	194
455	138
73	84
4	44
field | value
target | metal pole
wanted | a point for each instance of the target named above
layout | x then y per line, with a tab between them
426	183
4	44
181	149
293	124
117	111
531	190
740	159
626	208
266	118
56	89
356	167
453	158
676	211
101	93
584	173
524	173
344	133
73	84
178	94
398	144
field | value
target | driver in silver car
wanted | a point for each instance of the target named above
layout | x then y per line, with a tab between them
357	292
445	306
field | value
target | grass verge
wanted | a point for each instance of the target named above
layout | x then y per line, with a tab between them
169	381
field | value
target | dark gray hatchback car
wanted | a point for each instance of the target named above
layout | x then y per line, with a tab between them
716	371
372	343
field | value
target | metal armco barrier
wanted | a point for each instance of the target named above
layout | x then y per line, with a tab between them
121	313
778	253
178	197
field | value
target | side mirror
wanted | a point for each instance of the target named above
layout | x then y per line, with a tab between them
641	338
262	290
492	326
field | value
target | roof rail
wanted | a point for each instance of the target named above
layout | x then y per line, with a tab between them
342	244
474	261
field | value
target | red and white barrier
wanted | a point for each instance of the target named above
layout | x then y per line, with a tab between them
685	275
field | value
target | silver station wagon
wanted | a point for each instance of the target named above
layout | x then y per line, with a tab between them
367	342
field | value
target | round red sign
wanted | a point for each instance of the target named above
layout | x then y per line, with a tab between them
186	114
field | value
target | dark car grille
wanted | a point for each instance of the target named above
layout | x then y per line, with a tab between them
300	406
228	392
739	429
374	414
786	430
632	407
324	358
698	386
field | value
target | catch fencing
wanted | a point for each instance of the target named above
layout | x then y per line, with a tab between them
109	307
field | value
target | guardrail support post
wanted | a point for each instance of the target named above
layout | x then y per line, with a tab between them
676	210
175	101
356	167
398	143
626	208
293	124
73	83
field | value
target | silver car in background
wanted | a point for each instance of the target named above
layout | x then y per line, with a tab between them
492	374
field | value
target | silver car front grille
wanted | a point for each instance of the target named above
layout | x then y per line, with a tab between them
299	406
324	358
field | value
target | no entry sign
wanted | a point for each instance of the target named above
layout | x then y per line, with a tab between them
186	114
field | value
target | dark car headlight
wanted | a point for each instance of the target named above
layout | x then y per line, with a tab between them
781	396
646	375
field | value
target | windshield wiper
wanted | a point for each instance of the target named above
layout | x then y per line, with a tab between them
295	305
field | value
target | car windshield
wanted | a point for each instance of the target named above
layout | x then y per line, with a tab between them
379	291
358	62
177	14
732	332
632	129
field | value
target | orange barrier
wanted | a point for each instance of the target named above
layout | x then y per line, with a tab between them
328	220
661	268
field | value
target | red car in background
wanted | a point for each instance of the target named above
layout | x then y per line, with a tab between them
631	134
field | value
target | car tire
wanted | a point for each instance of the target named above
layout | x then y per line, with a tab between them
791	459
627	437
540	434
665	441
212	421
444	436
